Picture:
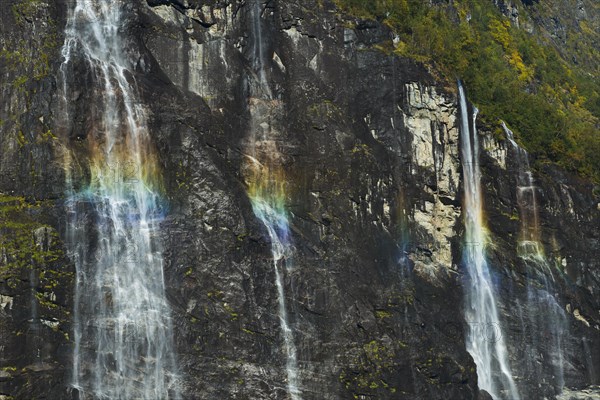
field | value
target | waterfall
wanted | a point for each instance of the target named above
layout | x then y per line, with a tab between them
123	346
543	312
266	185
488	350
273	215
529	243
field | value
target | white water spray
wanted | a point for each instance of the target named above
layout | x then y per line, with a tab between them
488	351
123	347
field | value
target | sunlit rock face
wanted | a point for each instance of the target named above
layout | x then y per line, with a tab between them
431	119
364	167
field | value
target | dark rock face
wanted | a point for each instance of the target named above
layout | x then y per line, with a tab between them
568	238
370	148
36	279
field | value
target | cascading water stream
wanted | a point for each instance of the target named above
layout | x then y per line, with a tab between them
123	347
488	351
529	243
543	312
266	183
269	208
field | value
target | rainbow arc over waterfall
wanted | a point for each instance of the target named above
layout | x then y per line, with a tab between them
123	345
263	172
266	189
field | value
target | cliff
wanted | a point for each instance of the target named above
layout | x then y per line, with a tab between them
369	144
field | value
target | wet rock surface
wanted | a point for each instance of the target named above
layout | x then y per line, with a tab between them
370	146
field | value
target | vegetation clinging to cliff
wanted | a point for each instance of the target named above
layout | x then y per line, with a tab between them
551	101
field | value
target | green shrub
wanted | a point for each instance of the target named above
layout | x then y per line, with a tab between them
551	103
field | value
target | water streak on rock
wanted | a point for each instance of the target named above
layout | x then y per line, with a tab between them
266	184
542	311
